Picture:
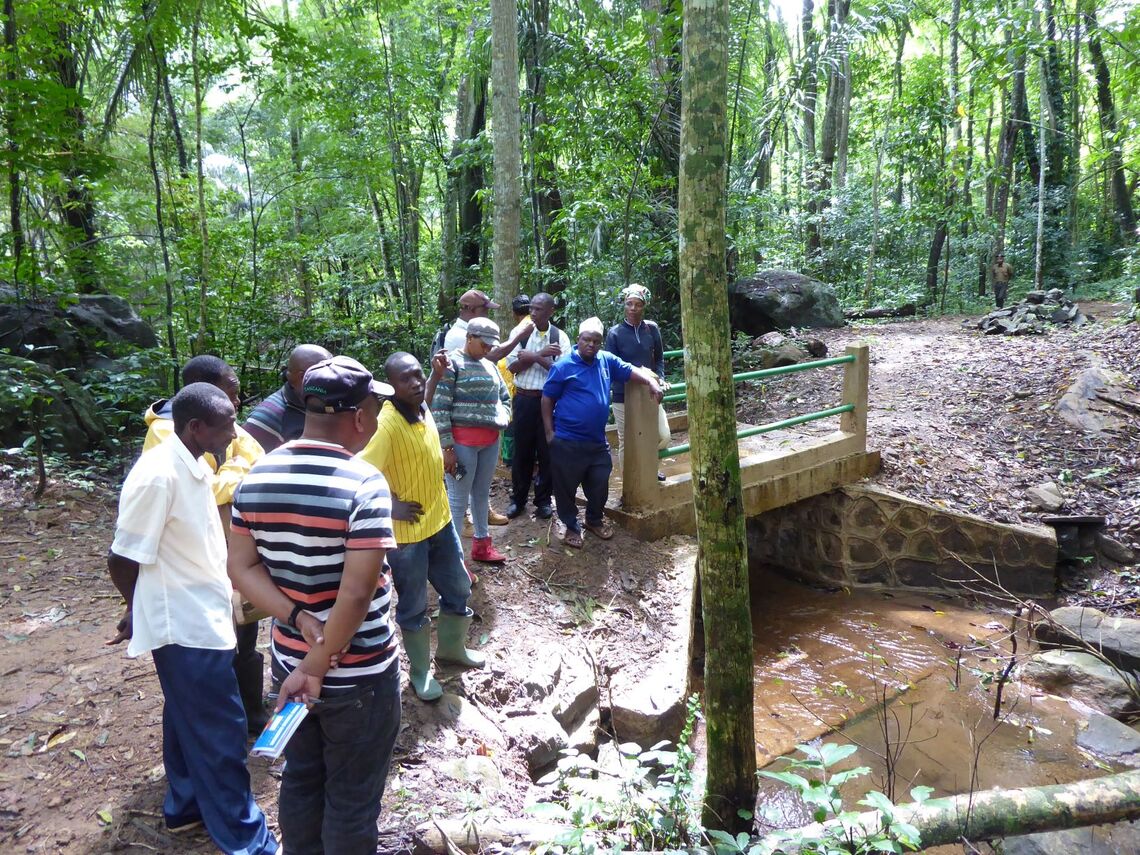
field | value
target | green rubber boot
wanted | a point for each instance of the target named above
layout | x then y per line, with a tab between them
451	633
418	647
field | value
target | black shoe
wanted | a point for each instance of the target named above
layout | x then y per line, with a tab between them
660	476
544	512
514	509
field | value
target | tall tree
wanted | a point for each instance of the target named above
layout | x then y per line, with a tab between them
721	550
508	158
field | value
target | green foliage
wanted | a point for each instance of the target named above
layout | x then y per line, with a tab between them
644	800
814	778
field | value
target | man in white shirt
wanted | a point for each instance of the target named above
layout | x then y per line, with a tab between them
168	560
530	362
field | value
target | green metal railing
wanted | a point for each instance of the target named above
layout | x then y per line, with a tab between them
674	354
681	393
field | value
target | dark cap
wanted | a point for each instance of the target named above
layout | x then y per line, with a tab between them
476	299
339	385
485	329
520	304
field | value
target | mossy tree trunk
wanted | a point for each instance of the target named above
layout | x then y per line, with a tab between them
721	555
506	149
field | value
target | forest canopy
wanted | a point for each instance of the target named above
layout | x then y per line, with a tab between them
253	174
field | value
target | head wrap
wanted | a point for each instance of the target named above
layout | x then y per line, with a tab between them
591	325
638	291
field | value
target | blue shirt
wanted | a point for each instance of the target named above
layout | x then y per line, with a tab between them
639	346
581	393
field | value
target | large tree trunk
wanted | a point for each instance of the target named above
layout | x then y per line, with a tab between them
200	344
902	28
552	251
1008	145
11	110
721	552
811	167
1110	140
505	144
304	277
1001	813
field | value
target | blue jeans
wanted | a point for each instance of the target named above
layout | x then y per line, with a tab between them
437	559
480	463
335	770
203	749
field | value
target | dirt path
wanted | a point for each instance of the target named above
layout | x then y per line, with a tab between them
962	420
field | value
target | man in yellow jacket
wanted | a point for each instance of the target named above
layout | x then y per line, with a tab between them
240	456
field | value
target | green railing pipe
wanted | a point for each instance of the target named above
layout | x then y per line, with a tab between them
674	354
768	428
677	391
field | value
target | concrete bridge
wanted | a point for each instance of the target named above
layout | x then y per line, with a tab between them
770	477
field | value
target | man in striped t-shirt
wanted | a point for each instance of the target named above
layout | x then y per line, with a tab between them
317	523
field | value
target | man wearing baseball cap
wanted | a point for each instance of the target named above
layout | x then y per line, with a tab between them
312	523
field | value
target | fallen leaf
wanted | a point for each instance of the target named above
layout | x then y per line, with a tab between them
105	817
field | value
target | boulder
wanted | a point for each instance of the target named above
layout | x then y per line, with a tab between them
1117	638
477	770
779	299
71	420
1114	550
540	738
785	354
1106	737
1046	496
1085	677
1083	407
112	320
1095	840
771	339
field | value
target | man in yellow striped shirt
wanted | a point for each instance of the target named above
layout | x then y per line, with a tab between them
406	449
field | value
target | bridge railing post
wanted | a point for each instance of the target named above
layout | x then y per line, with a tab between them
640	487
855	379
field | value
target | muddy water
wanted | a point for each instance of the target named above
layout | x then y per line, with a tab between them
825	661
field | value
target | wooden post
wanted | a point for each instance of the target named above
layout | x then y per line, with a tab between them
855	378
639	472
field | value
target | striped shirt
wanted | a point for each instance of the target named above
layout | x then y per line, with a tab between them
305	504
471	393
277	419
410	457
535	375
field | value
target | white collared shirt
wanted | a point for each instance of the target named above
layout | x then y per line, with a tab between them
168	522
535	375
456	336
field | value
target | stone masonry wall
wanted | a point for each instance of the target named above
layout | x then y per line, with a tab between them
861	535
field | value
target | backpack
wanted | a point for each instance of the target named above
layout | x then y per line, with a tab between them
437	342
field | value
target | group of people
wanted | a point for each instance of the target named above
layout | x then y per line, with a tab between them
338	492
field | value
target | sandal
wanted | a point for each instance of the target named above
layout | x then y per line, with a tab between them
604	529
572	538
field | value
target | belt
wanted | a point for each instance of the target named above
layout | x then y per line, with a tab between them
528	393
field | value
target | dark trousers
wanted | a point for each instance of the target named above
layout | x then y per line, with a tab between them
1000	290
530	445
203	749
249	667
580	463
335	770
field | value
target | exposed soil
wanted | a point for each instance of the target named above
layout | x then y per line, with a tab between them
962	420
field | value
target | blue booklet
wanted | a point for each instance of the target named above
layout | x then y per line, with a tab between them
280	730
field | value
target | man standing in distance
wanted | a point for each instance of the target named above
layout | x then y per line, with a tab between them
406	449
1002	272
168	560
575	408
281	416
475	304
530	362
312	523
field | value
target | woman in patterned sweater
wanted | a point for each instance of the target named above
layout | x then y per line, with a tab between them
471	409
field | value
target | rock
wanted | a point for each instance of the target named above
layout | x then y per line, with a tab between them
778	299
787	354
71	417
815	348
475	769
1116	637
1081	406
543	678
1055	295
1111	739
648	707
1035	297
574	696
1085	677
1114	550
541	739
1111	839
460	714
113	320
1046	496
585	737
772	339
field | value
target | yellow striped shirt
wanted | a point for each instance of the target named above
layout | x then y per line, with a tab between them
411	459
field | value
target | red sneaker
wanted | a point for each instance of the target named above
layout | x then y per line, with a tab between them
482	549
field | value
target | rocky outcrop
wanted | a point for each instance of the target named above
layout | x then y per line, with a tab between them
780	299
1085	677
1032	315
70	417
1115	638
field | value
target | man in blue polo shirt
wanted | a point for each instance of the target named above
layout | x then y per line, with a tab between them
575	408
